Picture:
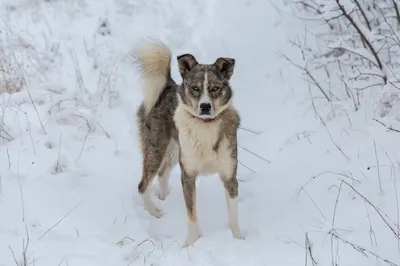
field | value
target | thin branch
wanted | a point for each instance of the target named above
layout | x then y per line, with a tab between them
83	144
250	130
377	163
334	219
364	15
256	155
371	230
62	218
389	128
29	94
26	246
315	204
309	251
361	249
13	254
248	168
326	128
397	209
396	8
356	53
323	173
377	210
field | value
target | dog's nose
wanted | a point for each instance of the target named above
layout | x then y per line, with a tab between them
205	108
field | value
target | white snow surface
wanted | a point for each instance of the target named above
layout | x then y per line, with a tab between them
72	190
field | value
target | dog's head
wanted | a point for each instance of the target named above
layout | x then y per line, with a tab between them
205	91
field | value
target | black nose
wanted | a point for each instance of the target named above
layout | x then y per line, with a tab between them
205	108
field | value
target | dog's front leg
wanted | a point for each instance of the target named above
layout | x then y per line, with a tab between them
231	194
189	192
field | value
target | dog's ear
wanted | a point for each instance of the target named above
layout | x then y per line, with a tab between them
186	62
226	66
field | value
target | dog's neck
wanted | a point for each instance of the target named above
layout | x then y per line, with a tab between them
204	120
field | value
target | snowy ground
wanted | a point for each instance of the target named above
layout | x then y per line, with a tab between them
70	185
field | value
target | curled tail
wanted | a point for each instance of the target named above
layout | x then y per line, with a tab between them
153	59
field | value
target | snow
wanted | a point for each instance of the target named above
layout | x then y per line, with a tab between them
73	189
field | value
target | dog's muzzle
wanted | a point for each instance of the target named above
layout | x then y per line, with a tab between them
205	109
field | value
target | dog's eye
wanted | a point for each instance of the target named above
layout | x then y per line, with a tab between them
215	89
194	88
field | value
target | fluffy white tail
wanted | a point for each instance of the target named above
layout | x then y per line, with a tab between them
153	59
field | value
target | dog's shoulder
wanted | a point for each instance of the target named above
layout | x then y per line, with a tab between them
230	121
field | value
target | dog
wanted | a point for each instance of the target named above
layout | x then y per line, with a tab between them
193	124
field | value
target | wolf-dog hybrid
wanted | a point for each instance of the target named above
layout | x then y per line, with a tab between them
193	124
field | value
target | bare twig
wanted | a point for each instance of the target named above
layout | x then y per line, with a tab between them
334	219
8	157
59	221
58	167
253	153
377	163
396	9
248	168
397	209
371	230
121	242
356	53
361	249
26	246
83	144
323	173
64	259
326	128
13	254
309	251
29	94
377	210
397	206
140	244
315	204
389	128
364	15
250	130
20	190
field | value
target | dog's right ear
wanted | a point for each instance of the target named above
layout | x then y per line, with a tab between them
186	62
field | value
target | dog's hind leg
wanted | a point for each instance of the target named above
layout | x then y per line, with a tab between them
152	159
171	159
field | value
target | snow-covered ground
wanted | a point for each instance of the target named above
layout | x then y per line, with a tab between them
68	177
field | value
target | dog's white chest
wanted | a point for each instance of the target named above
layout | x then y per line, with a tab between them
197	141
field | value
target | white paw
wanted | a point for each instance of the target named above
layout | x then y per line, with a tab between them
237	234
163	193
154	211
193	234
190	240
150	207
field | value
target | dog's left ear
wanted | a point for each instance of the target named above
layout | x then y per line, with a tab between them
186	62
226	66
